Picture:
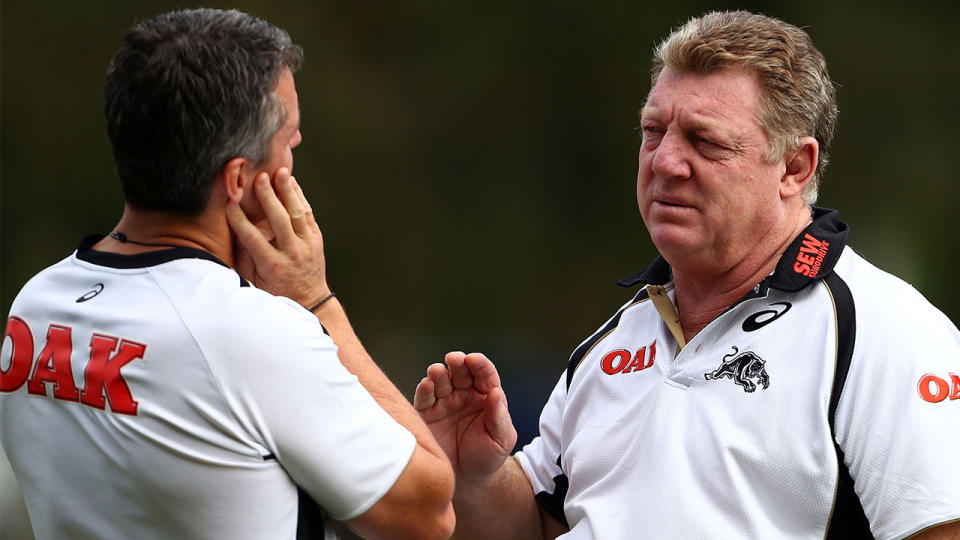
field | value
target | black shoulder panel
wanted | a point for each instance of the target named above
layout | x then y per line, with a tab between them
846	337
848	520
585	347
552	503
310	517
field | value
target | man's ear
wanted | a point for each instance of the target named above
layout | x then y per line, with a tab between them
237	178
801	163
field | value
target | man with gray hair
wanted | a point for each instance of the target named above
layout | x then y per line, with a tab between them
766	381
149	391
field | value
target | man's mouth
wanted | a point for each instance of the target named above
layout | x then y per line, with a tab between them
672	202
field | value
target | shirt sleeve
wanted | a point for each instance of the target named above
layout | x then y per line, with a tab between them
324	428
541	458
898	415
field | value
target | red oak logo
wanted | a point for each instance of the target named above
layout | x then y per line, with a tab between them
623	361
102	378
936	389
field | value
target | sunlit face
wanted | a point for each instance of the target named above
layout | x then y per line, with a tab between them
705	192
288	136
281	144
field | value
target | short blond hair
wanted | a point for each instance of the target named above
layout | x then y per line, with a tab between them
797	97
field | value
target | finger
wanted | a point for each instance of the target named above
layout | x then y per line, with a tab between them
286	190
484	373
455	357
441	380
264	227
460	375
247	234
304	202
311	230
424	397
243	263
273	209
497	420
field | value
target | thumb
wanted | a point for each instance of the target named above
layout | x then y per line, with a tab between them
497	420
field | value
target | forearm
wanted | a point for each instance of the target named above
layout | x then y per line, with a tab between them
418	504
357	361
944	531
502	507
284	255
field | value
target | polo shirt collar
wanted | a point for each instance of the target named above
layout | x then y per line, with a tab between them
85	252
810	257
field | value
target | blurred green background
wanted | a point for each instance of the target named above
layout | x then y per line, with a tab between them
472	164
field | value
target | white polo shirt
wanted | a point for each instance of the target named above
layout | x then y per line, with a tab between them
158	396
824	402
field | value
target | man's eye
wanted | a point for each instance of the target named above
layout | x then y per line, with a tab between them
650	136
648	131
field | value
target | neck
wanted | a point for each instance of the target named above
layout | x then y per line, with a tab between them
703	296
140	231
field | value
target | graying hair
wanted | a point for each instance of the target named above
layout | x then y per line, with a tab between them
188	91
797	99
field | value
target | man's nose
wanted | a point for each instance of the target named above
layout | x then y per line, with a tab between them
670	158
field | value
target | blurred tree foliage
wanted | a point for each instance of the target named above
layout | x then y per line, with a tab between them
472	164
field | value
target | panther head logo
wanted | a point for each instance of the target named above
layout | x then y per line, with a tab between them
743	368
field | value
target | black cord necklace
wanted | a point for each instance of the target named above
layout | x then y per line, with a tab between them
117	235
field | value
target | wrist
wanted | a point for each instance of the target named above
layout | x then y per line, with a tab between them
330	295
477	483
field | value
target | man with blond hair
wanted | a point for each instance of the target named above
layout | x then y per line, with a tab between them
766	381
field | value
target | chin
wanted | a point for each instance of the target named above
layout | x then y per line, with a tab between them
675	239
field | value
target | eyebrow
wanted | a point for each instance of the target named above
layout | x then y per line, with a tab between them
702	123
697	123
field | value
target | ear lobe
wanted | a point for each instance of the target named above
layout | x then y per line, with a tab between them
234	178
237	180
800	166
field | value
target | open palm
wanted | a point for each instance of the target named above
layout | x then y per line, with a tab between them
465	408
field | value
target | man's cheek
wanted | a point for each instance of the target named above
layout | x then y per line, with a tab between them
251	207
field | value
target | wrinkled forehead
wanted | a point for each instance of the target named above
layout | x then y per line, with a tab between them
716	98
